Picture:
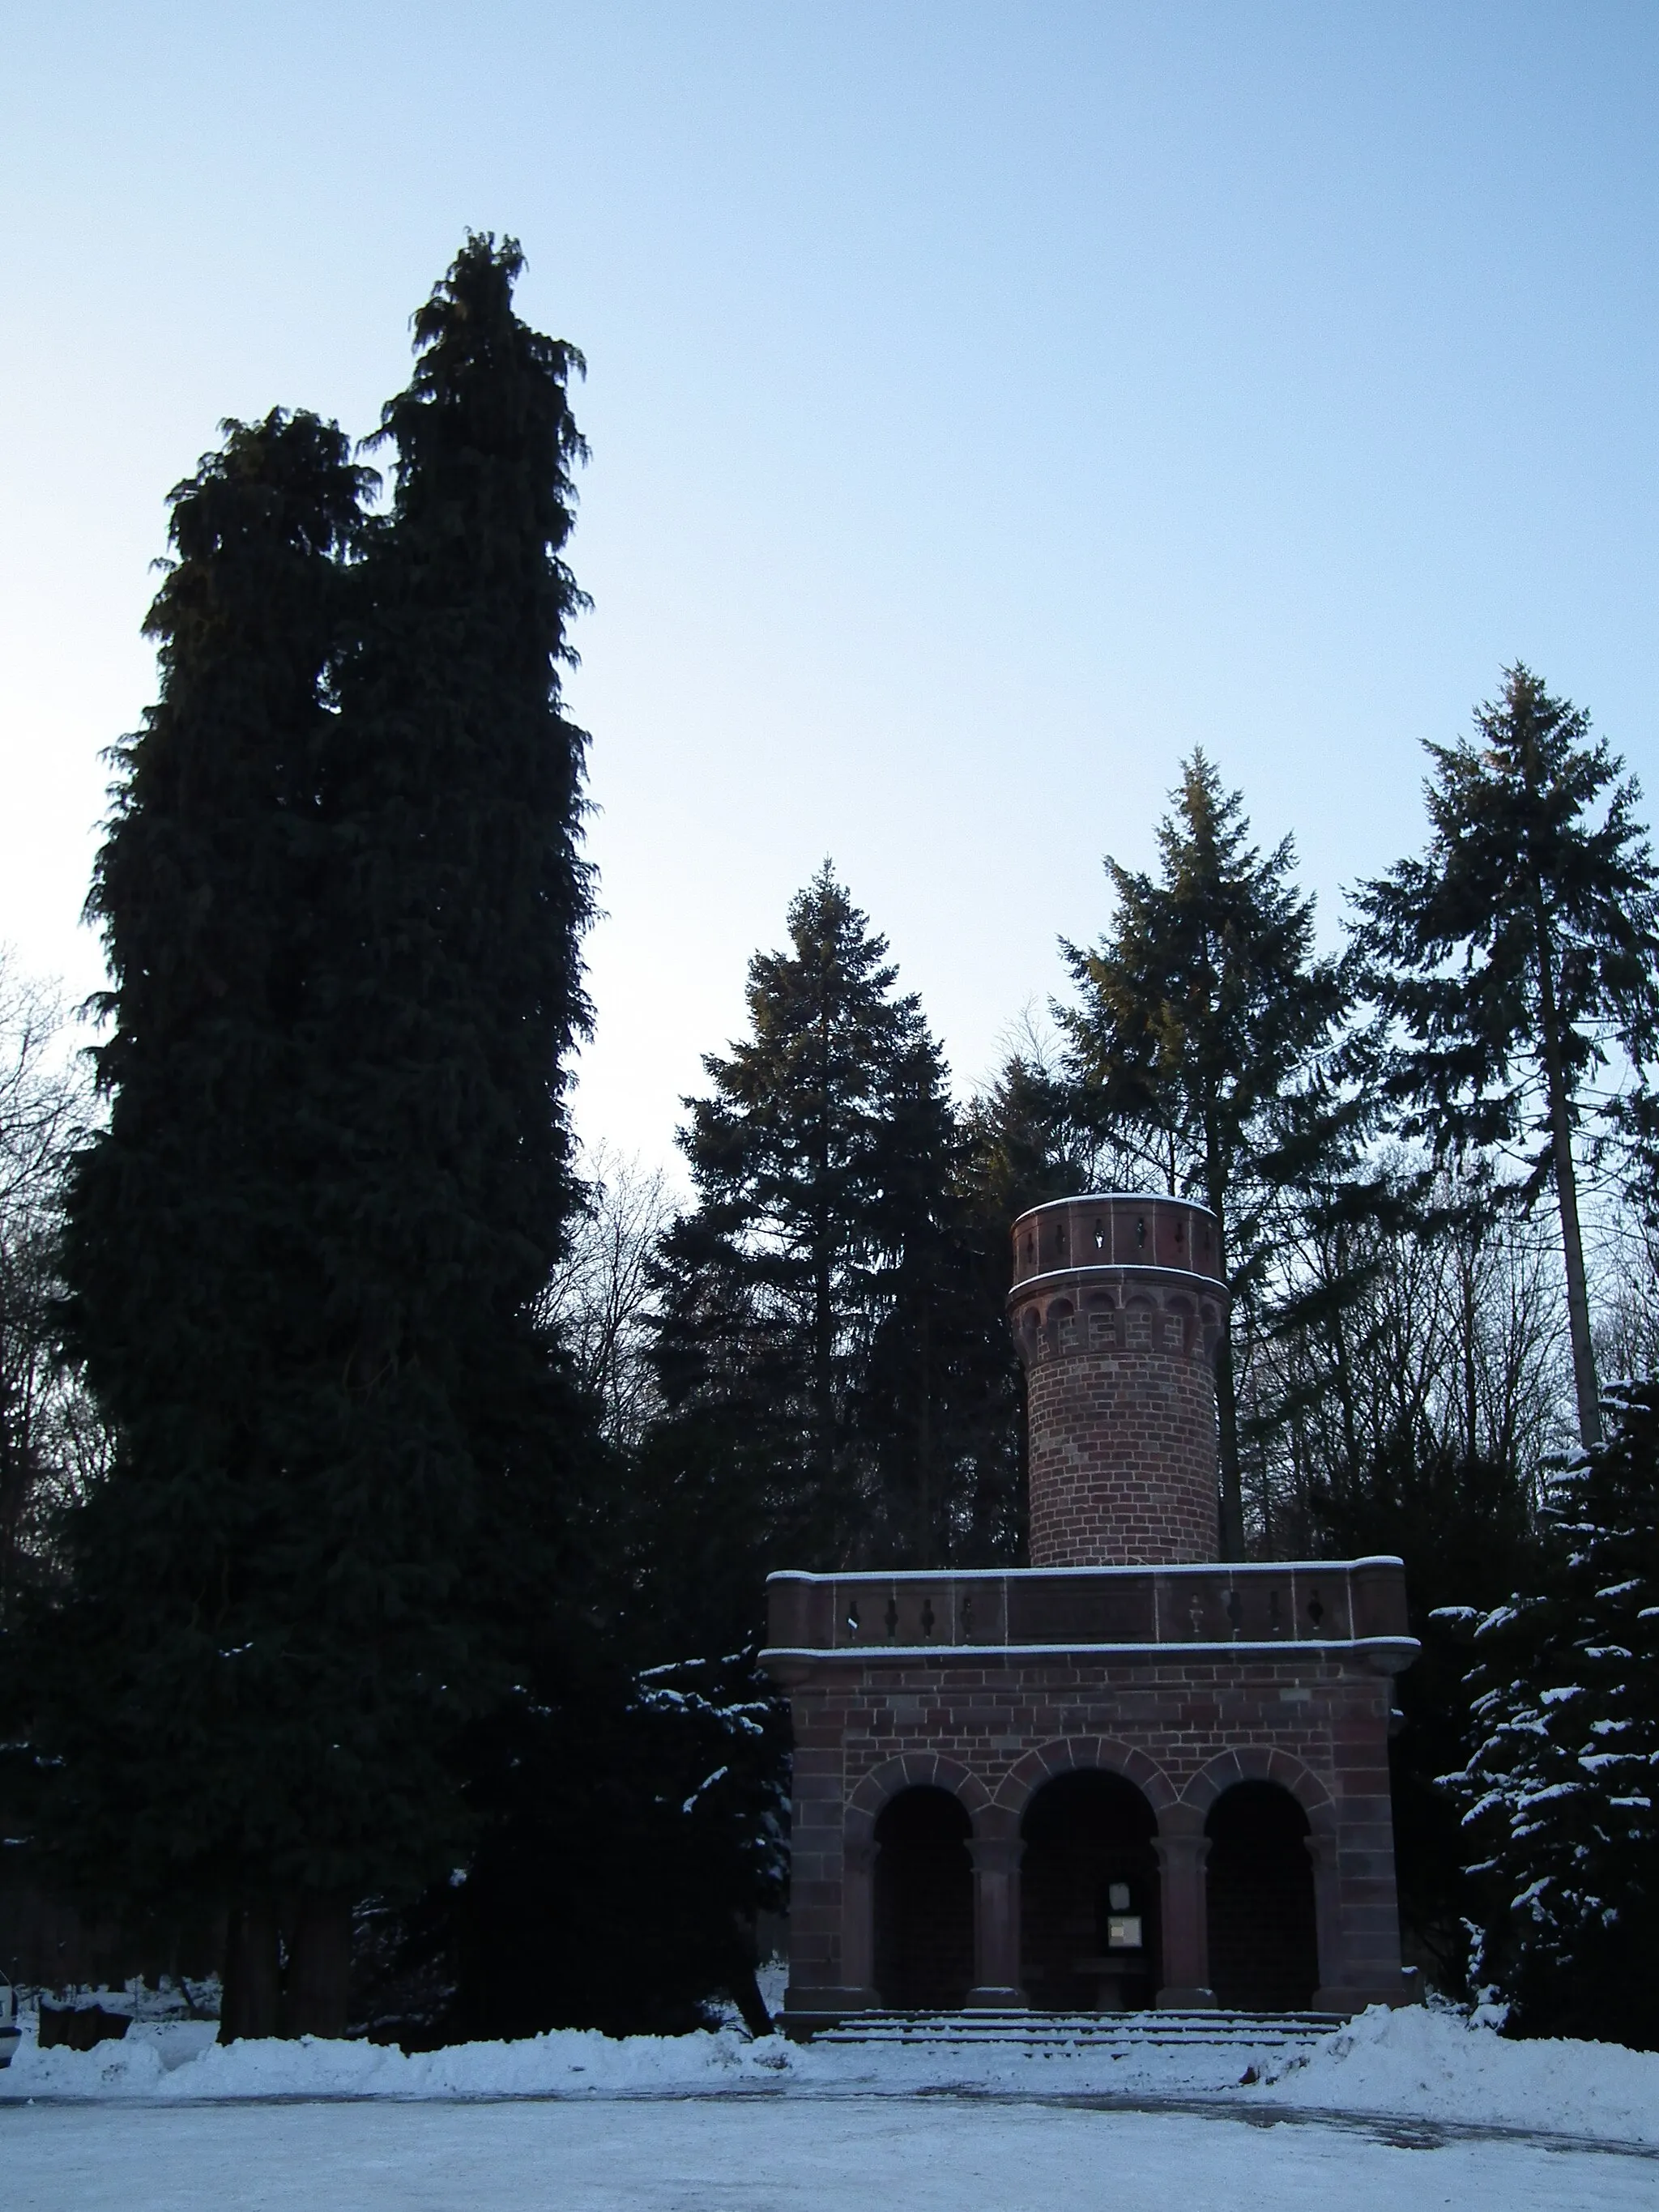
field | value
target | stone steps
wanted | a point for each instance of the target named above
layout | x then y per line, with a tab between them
1057	2031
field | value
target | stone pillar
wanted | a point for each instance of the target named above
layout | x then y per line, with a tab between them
1333	1974
996	1920
1182	1847
856	1991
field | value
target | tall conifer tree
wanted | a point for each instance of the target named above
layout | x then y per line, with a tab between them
343	895
1203	1011
454	992
1519	955
187	1692
822	1159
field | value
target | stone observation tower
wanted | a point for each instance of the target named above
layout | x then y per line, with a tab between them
1128	1775
1117	1309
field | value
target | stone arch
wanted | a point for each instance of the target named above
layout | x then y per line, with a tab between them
915	1769
1257	1762
1271	1907
1068	1753
1088	1810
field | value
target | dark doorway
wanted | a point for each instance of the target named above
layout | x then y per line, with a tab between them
924	1901
1089	1899
1264	1942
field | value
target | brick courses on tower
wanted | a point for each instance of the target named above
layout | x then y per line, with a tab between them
1126	1649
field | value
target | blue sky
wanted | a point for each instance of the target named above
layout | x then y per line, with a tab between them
988	403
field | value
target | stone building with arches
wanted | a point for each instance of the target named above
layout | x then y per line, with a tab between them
1130	1774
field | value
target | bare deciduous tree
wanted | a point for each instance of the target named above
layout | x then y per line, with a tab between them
51	1442
600	1297
1403	1344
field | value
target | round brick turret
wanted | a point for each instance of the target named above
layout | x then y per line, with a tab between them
1118	1306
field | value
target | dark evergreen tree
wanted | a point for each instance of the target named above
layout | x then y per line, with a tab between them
1026	1144
1560	1793
1464	1528
631	1829
444	1024
198	1731
1203	1016
341	896
822	1160
1021	1145
1518	954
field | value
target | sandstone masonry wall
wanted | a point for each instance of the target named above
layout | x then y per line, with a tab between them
1181	1730
1121	1412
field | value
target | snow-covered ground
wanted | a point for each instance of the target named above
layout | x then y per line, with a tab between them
1418	2064
759	2154
165	2118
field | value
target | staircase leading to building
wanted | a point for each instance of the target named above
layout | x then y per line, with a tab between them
1123	2032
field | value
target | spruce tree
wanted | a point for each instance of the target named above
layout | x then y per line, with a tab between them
1026	1144
452	1002
455	995
309	1258
200	1729
822	1160
1517	956
1562	1787
1203	1014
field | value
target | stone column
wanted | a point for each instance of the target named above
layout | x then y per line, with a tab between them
1182	1847
857	1991
996	1920
1333	1976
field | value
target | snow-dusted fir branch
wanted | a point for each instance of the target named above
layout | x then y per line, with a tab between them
1560	1790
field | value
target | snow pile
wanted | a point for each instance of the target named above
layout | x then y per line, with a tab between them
570	2062
1416	2063
155	2062
1432	2063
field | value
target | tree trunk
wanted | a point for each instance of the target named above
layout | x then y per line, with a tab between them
252	2000
1583	1353
1344	1369
1566	1192
1469	1292
316	1998
751	2005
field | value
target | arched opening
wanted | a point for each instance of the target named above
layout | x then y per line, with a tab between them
924	1901
1089	1896
1264	1942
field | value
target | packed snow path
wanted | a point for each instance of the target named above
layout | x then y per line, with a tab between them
766	2153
